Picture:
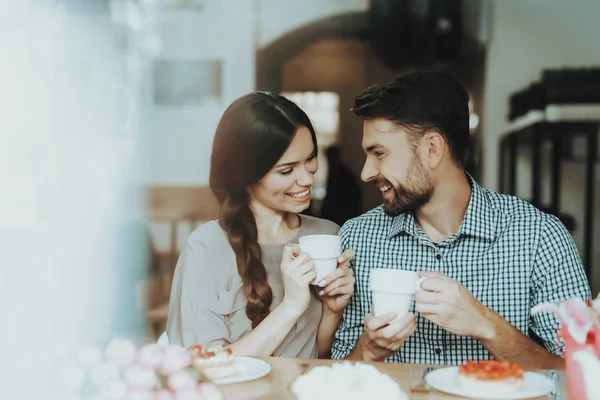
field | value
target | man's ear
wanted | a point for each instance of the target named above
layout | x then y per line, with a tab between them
434	147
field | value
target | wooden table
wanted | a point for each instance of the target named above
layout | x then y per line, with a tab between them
275	386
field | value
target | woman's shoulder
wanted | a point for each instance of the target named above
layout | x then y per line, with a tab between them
208	234
314	225
207	249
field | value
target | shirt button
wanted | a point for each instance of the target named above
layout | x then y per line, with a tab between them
438	351
438	256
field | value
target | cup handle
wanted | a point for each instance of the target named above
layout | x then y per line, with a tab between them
418	284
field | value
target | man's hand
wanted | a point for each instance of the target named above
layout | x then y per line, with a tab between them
448	304
382	339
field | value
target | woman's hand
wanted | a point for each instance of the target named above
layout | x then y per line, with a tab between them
298	272
338	286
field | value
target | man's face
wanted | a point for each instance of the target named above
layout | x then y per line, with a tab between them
393	165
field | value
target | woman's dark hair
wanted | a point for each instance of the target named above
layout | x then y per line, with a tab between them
419	102
252	135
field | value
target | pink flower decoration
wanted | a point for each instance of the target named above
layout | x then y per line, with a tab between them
208	391
121	352
189	394
596	305
548	307
181	380
150	356
163	395
578	311
175	358
140	378
140	395
575	316
103	373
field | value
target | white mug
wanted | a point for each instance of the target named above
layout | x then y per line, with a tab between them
393	290
323	250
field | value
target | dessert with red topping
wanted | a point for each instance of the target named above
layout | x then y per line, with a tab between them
487	376
215	362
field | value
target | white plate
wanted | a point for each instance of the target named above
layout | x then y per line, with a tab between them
446	380
246	369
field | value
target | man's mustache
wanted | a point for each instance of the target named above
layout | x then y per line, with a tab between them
381	182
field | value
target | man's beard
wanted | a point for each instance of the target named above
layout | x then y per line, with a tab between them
416	193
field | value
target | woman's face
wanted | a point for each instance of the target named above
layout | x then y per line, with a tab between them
286	187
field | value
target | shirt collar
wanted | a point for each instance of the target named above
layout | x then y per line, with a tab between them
479	220
403	223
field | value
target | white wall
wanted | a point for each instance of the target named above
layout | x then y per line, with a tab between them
527	37
182	136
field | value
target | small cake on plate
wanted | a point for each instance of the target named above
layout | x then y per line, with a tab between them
215	362
490	376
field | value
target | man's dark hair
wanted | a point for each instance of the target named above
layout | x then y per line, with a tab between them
420	102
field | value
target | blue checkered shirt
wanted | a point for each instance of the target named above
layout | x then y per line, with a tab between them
510	255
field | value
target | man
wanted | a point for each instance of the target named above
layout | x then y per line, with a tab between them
489	257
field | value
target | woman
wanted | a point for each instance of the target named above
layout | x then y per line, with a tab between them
239	281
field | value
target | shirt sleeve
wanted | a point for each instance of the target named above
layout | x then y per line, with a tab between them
351	326
194	298
557	275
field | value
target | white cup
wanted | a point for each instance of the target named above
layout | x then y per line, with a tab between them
393	290
323	250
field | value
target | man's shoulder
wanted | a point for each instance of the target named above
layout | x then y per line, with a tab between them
514	208
522	221
372	218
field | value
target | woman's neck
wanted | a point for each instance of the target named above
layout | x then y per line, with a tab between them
275	227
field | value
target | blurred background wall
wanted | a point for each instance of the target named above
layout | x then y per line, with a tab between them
525	38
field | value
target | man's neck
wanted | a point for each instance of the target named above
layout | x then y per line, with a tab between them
441	217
